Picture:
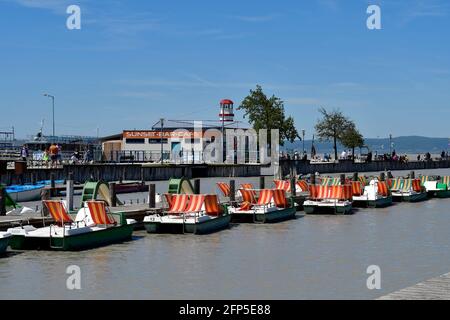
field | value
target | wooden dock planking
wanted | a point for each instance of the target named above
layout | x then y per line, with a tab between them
433	289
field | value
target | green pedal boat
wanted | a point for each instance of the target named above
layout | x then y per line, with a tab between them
92	227
408	190
189	213
269	207
4	242
374	195
438	189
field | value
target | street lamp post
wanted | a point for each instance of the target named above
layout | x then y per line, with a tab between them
162	141
390	144
53	109
303	140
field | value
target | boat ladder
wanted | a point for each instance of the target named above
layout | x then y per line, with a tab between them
63	238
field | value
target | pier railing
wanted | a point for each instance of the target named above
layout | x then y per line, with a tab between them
194	157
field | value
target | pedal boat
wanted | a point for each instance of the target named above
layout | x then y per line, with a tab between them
189	213
408	190
375	195
271	206
92	227
326	199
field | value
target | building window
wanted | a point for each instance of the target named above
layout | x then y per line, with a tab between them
192	141
135	141
157	141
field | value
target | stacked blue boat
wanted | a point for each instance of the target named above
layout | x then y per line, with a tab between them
28	192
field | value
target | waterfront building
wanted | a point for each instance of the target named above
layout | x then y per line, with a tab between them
180	141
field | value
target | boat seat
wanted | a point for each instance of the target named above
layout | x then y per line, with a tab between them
224	188
212	207
99	213
58	212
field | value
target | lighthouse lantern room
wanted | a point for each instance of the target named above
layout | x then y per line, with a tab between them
226	111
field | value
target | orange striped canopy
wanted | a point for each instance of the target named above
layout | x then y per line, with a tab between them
248	186
279	196
58	211
98	213
212	206
417	185
248	196
245	206
265	197
179	203
225	188
383	189
303	185
195	203
169	199
320	192
282	185
357	188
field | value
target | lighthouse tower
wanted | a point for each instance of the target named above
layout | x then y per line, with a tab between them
226	111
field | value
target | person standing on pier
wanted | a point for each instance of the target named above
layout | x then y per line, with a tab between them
24	153
53	150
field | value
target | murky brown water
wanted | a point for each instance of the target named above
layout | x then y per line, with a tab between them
312	257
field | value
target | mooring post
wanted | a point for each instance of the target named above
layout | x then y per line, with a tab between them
355	176
69	194
2	202
197	186
32	178
52	185
142	175
412	175
152	196
112	194
232	191
262	182
293	188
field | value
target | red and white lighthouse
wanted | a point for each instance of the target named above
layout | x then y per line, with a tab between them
226	111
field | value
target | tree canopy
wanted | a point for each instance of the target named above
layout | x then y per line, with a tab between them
268	113
352	139
337	127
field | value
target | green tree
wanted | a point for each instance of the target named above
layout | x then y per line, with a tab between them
352	139
332	127
268	113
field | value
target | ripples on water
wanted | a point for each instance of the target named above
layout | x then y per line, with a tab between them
312	257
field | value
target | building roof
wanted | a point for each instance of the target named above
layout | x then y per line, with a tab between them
190	124
226	101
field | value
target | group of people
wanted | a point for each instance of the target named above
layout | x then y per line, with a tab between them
52	156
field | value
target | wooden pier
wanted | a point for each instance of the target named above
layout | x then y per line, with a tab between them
433	289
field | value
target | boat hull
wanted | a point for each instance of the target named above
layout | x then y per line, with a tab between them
204	227
4	242
75	242
317	209
26	195
269	217
131	188
442	194
415	197
378	203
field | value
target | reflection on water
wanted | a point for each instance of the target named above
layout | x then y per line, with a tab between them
311	257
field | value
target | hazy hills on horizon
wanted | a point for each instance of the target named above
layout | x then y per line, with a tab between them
404	144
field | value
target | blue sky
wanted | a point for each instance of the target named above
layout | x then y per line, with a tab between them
136	61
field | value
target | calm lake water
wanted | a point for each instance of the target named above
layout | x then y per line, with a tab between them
312	257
